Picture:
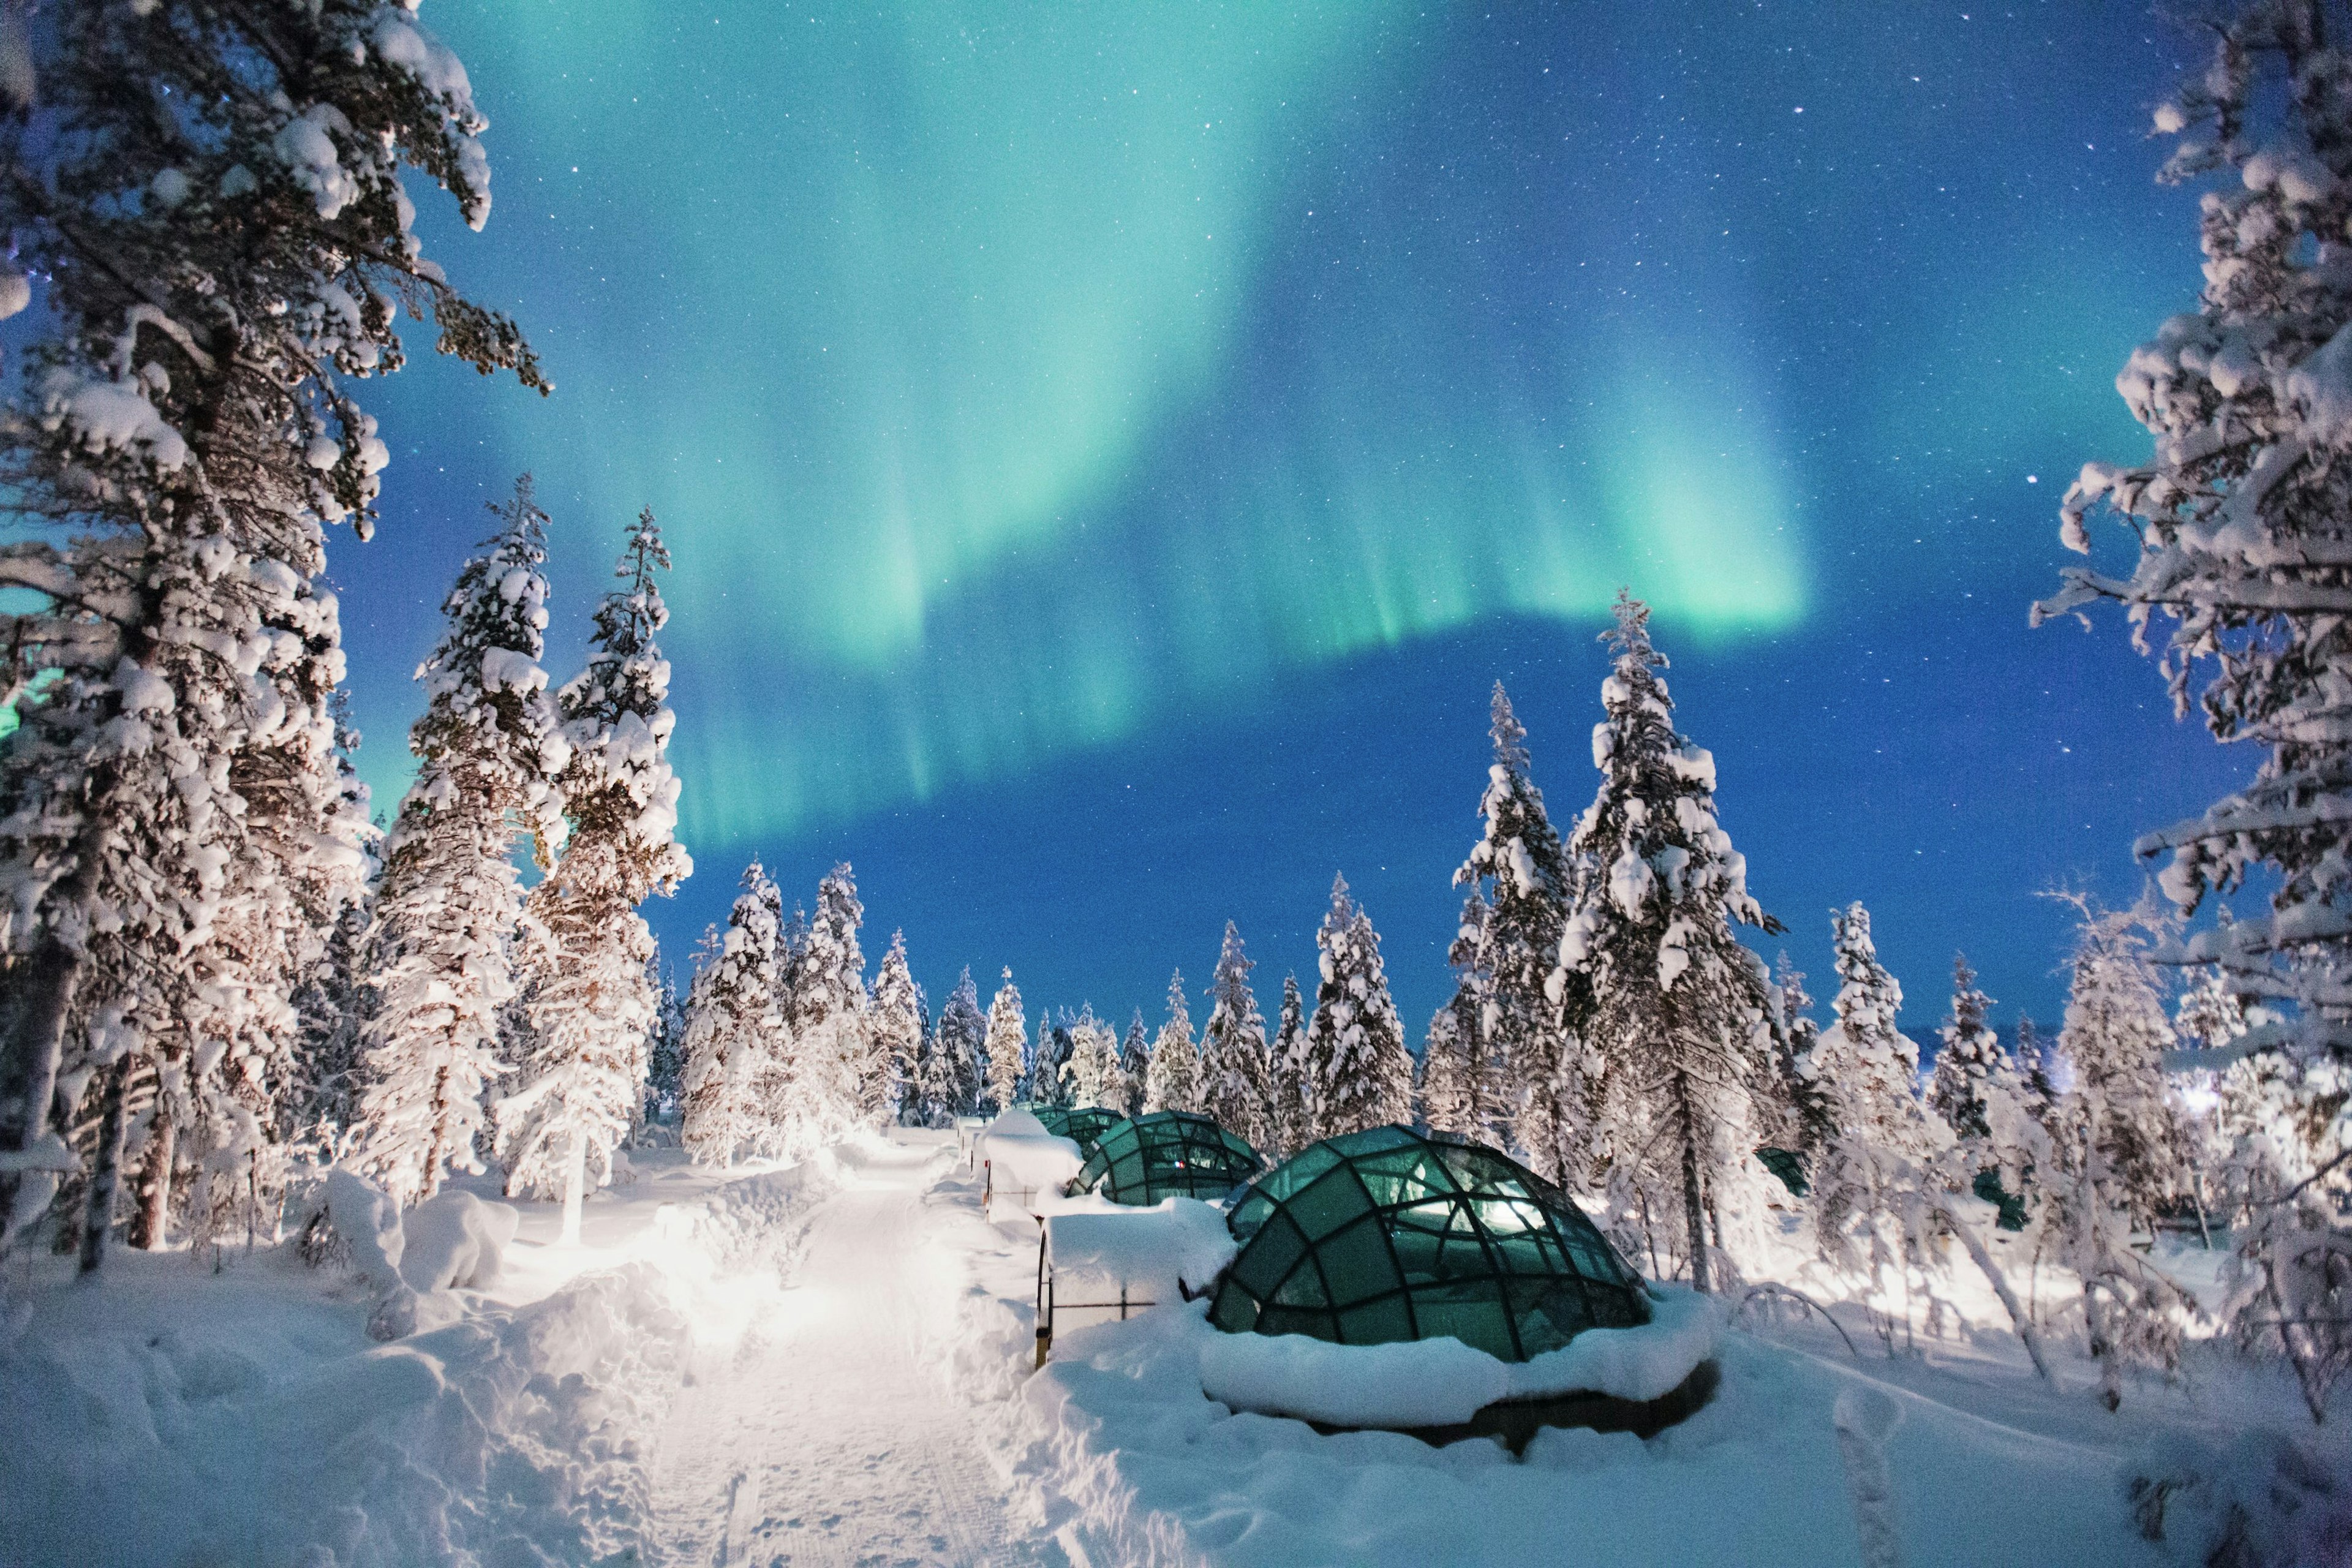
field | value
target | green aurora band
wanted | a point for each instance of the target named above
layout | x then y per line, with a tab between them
1013	377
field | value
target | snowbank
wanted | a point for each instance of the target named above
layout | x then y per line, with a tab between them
246	1418
1419	1382
1442	1382
1637	1365
455	1241
1138	1467
1113	1446
1028	1166
1148	1251
175	1415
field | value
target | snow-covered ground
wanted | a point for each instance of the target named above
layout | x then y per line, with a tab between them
832	1364
824	1434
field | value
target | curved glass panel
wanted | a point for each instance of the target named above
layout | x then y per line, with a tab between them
1167	1154
1390	1234
1081	1124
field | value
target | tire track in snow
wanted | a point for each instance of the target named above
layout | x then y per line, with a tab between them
828	1440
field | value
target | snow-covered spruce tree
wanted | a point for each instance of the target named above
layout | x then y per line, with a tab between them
592	1005
1977	1090
332	1006
2122	1154
1049	1070
1172	1082
1866	1071
1807	1114
489	749
2115	1039
1440	1087
732	1033
1236	1071
1679	1016
215	277
1134	1064
1007	1046
898	1027
2120	1157
666	1063
823	1089
1286	1119
1358	1073
1094	1075
1519	871
2240	519
1463	1079
952	1084
2208	1013
2034	1062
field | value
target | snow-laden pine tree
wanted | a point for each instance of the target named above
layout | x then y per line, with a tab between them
1463	1081
1134	1064
666	1063
1286	1121
1967	1059
1092	1072
1172	1082
2208	1013
489	748
174	841
1357	1072
1236	1068
2040	1073
1441	1079
952	1085
898	1027
1976	1089
1517	871
2120	1155
332	1005
1679	1022
732	1032
823	1090
1809	1118
1049	1070
593	1008
1866	1071
2240	522
2115	1039
1007	1046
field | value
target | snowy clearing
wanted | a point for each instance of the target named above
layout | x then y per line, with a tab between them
832	1364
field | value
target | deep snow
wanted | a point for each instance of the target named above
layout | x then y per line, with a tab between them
832	1363
824	1434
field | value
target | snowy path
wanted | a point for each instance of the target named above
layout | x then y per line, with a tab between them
828	1439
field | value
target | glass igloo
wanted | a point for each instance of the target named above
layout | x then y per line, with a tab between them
1390	1235
1081	1124
1167	1154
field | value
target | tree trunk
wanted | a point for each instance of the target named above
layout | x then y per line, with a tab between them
106	1171
150	1230
575	1189
1693	1208
437	1148
50	976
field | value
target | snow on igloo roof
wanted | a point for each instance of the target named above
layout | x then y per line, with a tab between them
1167	1154
1388	1235
1081	1124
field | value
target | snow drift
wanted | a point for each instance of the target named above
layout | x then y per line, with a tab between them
1442	1382
174	1416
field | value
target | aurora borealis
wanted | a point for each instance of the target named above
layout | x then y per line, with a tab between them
1109	451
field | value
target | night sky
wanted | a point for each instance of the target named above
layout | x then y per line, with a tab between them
1112	451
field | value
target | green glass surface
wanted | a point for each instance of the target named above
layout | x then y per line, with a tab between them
1390	1235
